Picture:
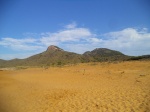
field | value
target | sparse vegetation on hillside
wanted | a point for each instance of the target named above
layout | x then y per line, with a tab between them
144	57
55	56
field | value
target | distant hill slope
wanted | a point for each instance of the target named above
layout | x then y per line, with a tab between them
2	62
12	63
55	56
104	54
143	57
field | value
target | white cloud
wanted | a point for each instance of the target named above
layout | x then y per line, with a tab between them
17	55
20	44
70	26
80	47
69	35
16	41
130	41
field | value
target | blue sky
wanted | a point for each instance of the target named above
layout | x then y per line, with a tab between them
28	27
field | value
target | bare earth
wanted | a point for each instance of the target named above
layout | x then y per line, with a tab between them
91	87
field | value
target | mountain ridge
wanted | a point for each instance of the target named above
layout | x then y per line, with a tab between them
55	56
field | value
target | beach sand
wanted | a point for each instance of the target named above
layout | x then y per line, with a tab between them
90	87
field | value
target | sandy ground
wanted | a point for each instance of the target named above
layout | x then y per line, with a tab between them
92	87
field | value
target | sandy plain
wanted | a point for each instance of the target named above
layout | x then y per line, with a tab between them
91	87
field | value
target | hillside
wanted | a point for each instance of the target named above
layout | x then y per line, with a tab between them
104	54
52	56
143	57
2	60
55	56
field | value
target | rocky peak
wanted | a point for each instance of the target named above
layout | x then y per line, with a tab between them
54	48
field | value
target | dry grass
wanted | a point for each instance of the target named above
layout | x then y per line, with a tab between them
92	87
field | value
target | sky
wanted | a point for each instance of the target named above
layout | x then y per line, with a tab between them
28	27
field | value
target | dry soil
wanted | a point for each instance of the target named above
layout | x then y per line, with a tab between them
91	87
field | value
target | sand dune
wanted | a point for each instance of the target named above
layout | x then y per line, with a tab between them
92	87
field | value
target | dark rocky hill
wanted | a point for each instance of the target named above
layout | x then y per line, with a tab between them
104	54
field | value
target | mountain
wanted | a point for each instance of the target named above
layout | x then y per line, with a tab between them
104	54
55	56
52	56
